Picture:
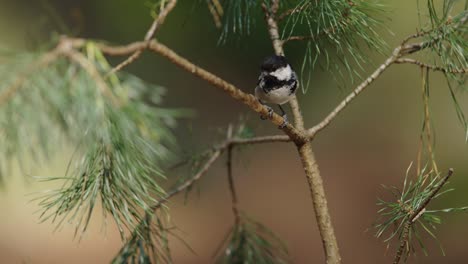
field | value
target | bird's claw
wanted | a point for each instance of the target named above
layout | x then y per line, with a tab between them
285	122
270	113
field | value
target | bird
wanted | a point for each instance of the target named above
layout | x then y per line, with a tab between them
277	84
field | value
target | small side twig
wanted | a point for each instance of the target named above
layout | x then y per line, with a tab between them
232	188
429	66
228	145
165	10
216	10
187	184
416	214
415	47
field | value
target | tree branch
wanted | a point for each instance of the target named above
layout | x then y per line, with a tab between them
272	24
228	144
149	34
229	88
416	214
312	172
259	140
328	119
415	47
232	188
429	66
292	11
187	184
216	81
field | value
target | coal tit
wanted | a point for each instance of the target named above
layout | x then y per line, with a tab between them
276	84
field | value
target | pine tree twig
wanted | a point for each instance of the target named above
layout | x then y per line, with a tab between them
270	14
232	90
312	172
216	152
273	31
232	188
233	142
229	88
216	11
342	105
429	66
322	33
299	38
187	184
149	34
411	48
402	50
228	145
415	214
260	139
287	13
326	31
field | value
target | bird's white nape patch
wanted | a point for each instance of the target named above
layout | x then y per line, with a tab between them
283	73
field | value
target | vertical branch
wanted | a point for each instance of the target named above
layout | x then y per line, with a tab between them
317	191
314	180
232	189
403	243
270	17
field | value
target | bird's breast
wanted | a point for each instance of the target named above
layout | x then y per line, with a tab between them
277	96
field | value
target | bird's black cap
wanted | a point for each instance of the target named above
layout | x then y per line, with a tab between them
274	62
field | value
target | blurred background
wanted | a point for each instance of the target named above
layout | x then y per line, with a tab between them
371	143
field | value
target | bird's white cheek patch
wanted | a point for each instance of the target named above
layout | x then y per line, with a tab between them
283	73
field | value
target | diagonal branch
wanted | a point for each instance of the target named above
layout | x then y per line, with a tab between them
165	10
248	99
228	145
187	184
402	50
233	91
341	106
